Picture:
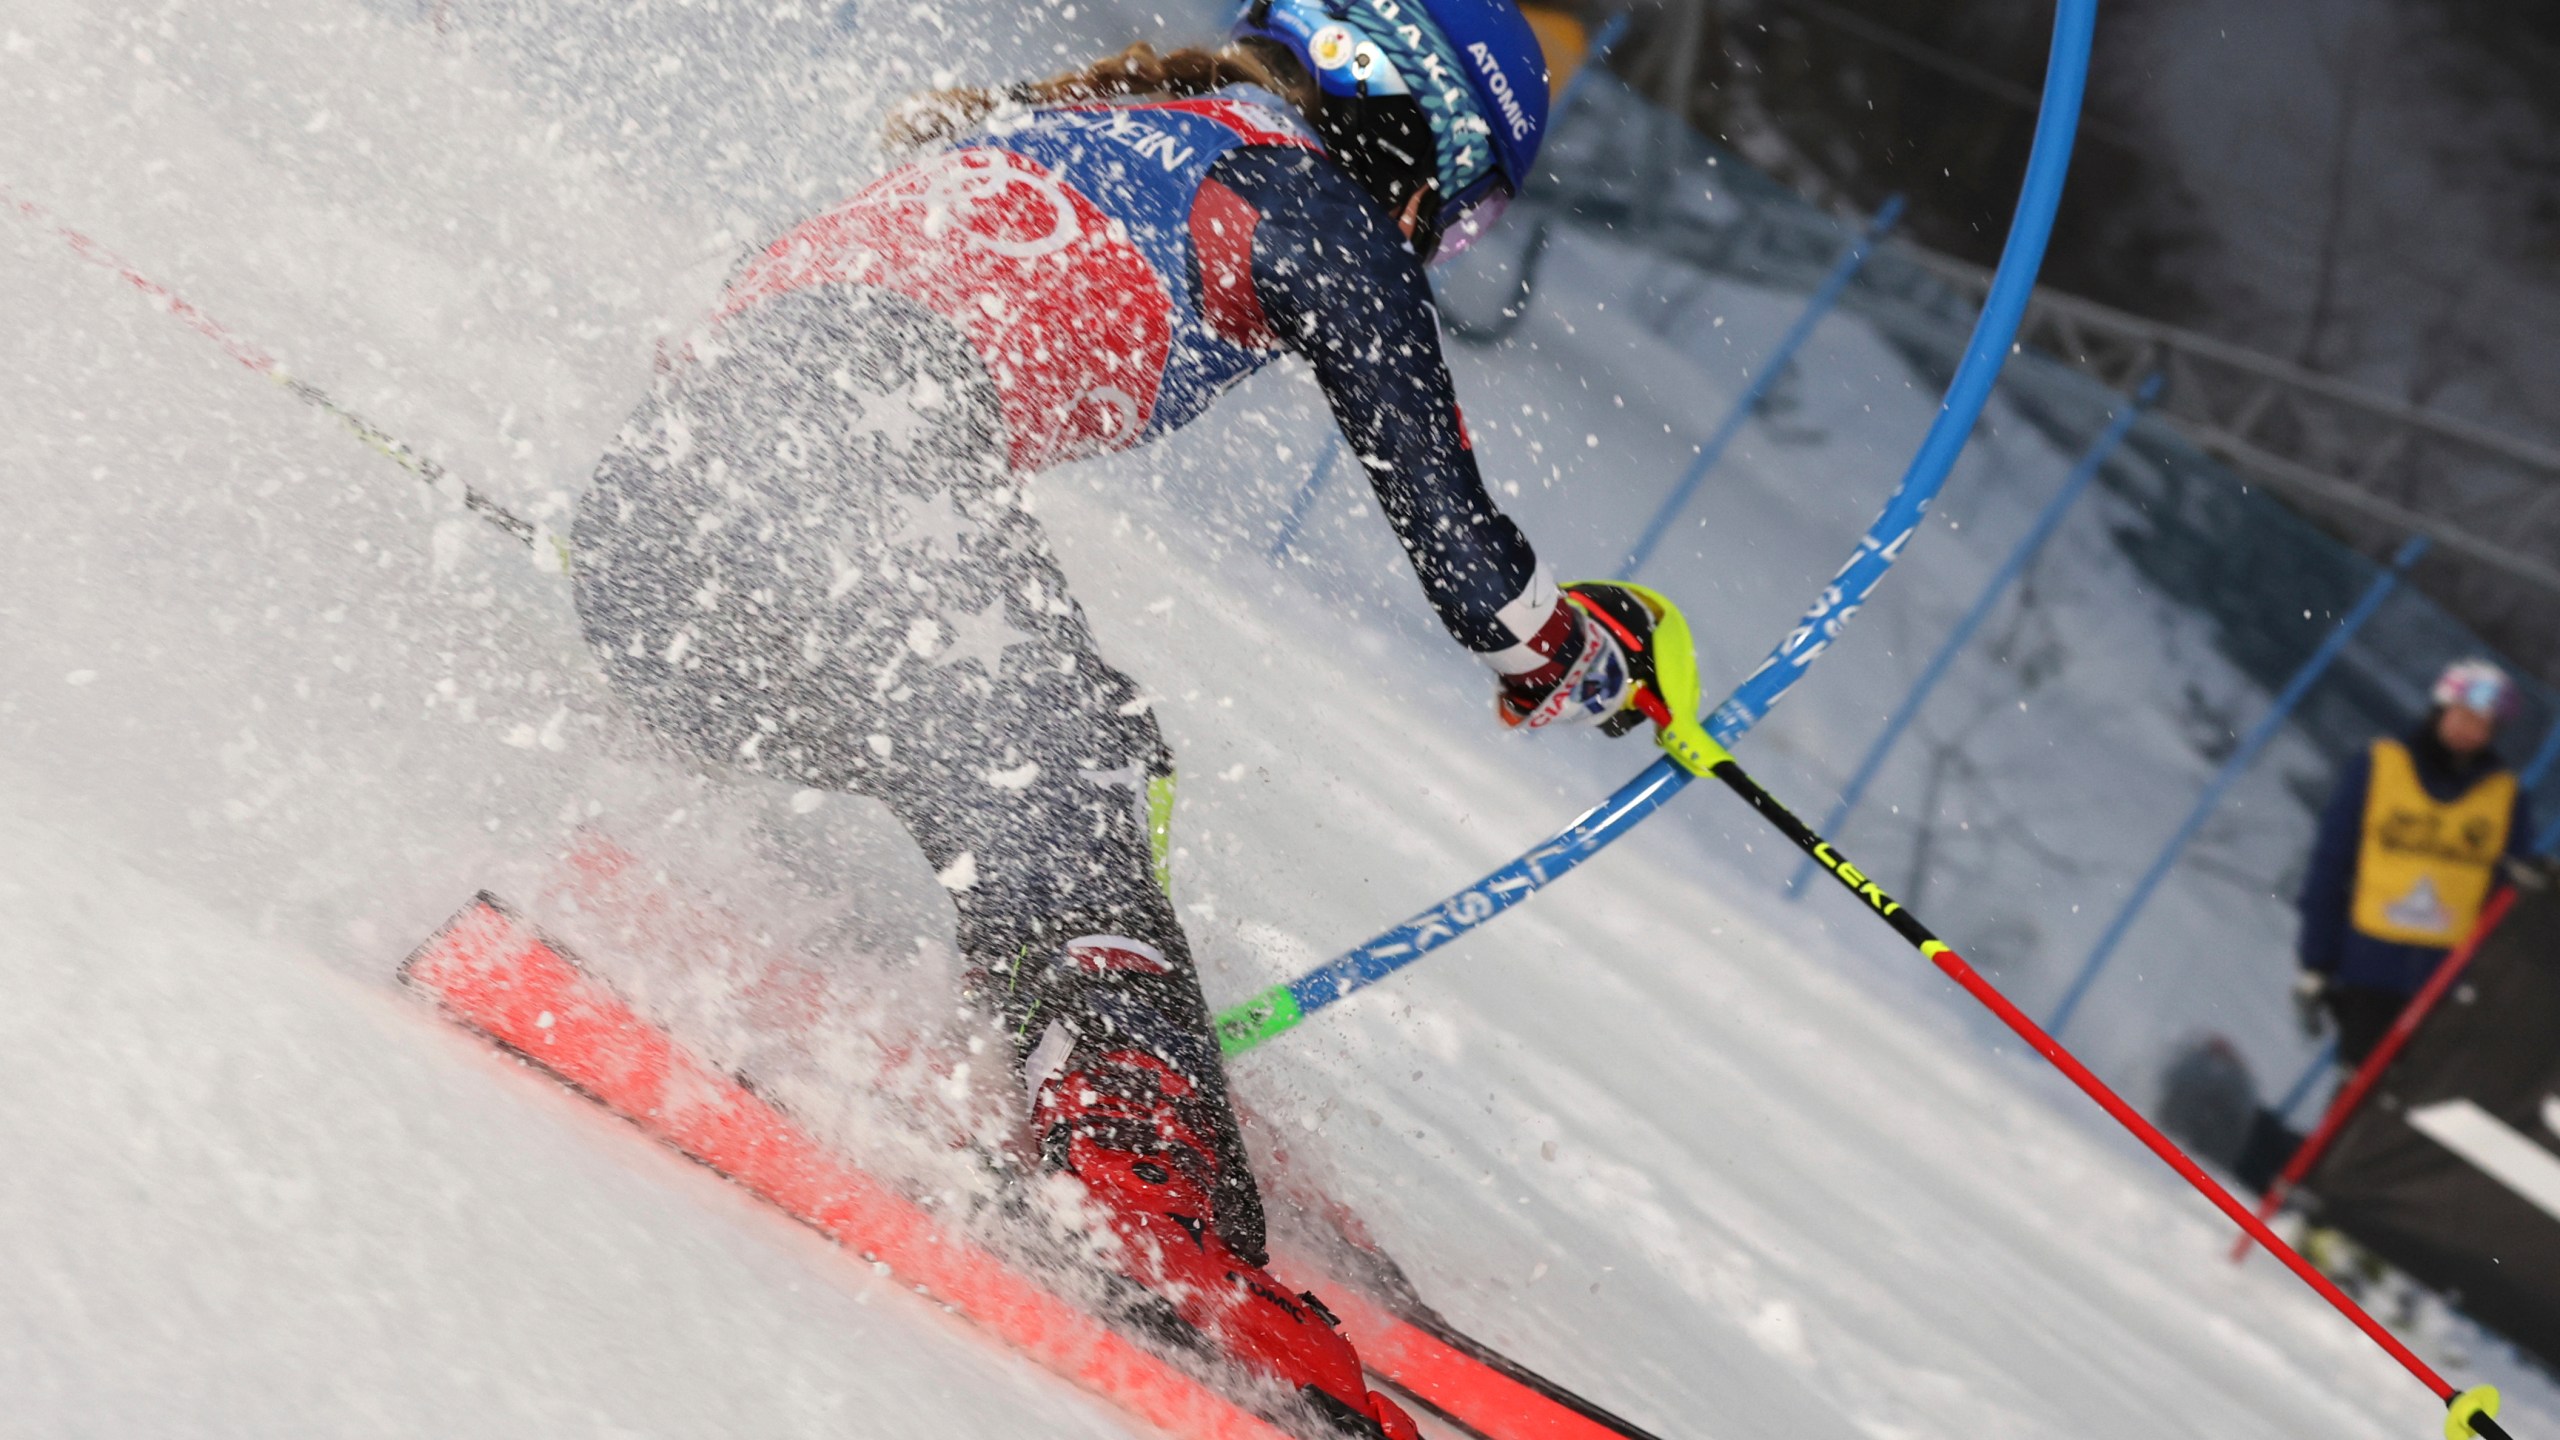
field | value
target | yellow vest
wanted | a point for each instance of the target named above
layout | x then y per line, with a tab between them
2426	864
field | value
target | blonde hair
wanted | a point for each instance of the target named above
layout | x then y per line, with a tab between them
938	115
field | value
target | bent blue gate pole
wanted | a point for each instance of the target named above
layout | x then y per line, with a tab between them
1241	1027
2046	522
2256	740
1834	285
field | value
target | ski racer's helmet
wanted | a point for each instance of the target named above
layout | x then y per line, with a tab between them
2477	686
1443	97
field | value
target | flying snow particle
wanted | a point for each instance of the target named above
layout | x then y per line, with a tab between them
960	874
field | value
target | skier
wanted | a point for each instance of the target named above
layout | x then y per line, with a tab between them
2412	838
808	552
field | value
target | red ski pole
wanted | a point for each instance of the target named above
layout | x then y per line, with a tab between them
2369	1074
2470	1411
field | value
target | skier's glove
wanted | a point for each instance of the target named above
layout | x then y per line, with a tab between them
2310	988
1601	677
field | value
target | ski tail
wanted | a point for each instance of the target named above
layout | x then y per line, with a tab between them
496	974
1415	1351
1469	1384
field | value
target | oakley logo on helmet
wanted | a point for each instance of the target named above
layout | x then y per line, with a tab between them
1500	84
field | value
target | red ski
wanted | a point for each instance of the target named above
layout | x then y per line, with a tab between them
497	974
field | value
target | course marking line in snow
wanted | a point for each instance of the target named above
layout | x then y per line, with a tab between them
252	358
2233	766
2047	521
2404	1027
1954	966
495	974
1280	1008
1853	258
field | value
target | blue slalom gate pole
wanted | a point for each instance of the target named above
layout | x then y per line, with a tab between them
1845	269
2256	740
2310	1076
2046	522
1242	1027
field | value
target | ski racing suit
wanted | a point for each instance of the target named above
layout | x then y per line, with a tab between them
807	554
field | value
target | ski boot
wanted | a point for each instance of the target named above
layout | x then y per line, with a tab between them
1118	1126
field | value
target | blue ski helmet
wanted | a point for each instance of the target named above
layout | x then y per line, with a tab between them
1444	97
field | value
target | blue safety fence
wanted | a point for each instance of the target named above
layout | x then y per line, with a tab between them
1844	272
2232	769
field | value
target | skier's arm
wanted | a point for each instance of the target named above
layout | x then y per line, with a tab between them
1337	286
2331	875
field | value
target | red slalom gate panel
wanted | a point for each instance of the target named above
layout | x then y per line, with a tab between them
497	975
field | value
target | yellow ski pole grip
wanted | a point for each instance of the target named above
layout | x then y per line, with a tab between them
1675	683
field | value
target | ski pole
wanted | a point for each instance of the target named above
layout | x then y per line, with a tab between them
2368	1074
250	357
2470	1411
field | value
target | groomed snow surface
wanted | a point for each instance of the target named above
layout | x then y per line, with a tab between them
1734	1167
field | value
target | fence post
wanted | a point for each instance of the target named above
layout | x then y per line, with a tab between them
2543	759
2046	522
2310	1076
1306	496
2548	842
1834	285
2250	745
1534	252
